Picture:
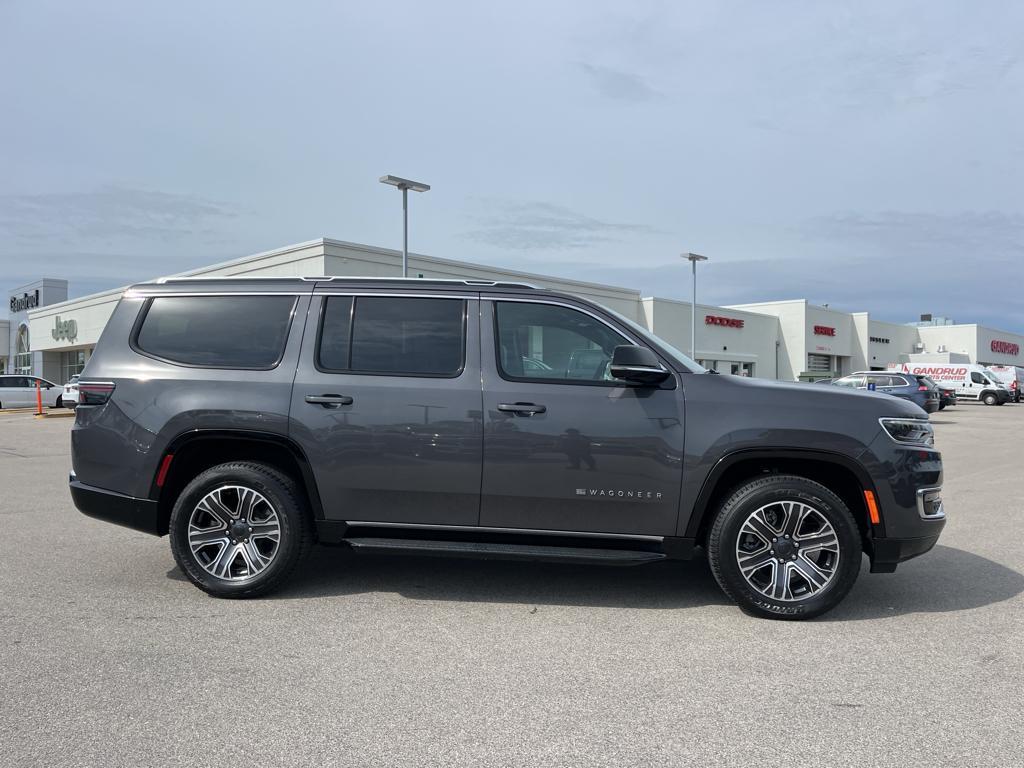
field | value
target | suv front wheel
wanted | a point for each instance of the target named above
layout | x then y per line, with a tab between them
240	529
784	547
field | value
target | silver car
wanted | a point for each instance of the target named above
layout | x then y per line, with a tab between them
20	392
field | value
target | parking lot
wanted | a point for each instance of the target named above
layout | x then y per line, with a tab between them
110	658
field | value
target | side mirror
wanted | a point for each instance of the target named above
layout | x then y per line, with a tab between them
637	365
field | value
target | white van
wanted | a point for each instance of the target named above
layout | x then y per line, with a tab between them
20	392
1012	376
972	381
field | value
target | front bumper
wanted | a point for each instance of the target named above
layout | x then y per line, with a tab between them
908	484
138	514
886	554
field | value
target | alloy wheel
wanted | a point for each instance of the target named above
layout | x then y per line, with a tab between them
234	533
787	551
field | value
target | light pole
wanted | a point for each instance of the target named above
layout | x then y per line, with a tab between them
693	258
405	185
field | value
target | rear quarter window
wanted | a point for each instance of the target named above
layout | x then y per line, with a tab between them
216	331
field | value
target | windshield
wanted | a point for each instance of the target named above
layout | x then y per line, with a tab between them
684	361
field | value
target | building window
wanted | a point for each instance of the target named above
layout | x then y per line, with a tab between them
22	352
71	364
819	363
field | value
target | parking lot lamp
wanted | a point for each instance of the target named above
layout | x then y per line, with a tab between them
405	185
693	258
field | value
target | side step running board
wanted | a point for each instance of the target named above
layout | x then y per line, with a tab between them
492	551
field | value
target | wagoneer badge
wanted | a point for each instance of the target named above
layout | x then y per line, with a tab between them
613	493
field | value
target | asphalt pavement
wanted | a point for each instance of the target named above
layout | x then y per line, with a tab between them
108	657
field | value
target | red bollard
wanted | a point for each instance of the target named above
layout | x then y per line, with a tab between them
39	399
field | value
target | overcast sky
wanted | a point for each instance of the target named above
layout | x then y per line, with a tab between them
865	155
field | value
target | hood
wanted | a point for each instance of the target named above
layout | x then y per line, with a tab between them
823	396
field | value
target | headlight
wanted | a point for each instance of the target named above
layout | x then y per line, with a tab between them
909	431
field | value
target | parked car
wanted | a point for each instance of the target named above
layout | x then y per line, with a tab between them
906	387
20	392
70	396
248	419
947	393
1012	376
972	382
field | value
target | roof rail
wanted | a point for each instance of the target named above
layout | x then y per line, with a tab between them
362	279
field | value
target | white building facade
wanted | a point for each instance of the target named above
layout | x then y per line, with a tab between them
52	337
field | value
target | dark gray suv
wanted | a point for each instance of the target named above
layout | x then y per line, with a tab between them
251	418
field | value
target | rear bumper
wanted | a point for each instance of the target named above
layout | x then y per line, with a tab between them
138	514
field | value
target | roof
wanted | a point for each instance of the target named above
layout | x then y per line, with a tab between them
410	281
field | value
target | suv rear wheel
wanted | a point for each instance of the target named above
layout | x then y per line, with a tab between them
240	529
784	547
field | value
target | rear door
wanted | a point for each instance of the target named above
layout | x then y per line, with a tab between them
10	396
387	405
24	391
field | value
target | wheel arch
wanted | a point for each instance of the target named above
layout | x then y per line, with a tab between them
197	450
838	472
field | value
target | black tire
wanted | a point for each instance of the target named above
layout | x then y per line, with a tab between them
942	406
724	540
990	399
284	498
60	402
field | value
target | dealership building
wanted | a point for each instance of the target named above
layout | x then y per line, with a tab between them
52	337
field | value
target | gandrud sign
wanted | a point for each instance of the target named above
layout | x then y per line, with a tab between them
25	301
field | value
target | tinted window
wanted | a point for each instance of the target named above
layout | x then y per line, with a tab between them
406	336
544	341
977	378
335	331
217	331
899	381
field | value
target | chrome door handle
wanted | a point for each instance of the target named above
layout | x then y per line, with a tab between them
522	409
329	401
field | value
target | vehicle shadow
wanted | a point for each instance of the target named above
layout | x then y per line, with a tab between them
944	580
941	581
333	571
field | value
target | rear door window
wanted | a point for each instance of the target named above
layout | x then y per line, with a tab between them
388	335
247	332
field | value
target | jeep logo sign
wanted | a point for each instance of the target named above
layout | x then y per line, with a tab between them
1005	347
64	330
25	301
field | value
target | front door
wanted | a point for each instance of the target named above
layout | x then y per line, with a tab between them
386	405
566	446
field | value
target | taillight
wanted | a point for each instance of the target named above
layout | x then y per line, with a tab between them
94	392
922	388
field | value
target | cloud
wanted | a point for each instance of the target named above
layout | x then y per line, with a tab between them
895	265
108	213
965	235
615	84
539	225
